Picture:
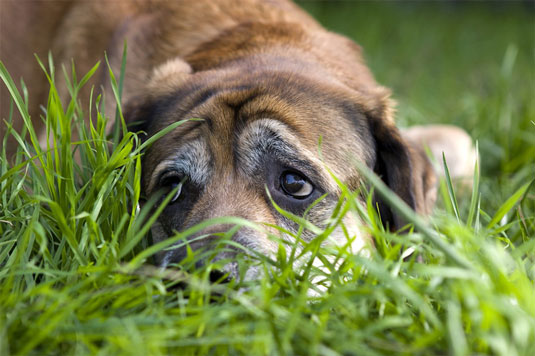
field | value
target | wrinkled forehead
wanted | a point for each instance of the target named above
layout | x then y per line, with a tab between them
230	113
259	144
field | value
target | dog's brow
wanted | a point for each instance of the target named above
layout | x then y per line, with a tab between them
187	129
191	160
200	98
274	138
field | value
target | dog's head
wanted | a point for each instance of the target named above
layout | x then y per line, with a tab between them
257	139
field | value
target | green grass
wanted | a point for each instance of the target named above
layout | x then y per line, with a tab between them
75	276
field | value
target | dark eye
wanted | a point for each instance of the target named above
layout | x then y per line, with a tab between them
170	182
296	185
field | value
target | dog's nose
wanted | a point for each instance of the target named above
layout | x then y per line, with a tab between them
217	276
174	259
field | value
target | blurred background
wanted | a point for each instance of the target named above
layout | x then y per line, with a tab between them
471	64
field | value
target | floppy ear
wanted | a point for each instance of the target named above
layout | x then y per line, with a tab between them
403	166
138	113
424	179
140	110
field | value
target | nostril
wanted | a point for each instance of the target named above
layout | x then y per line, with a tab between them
217	276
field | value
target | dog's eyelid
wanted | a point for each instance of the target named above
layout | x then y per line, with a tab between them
171	177
170	173
161	169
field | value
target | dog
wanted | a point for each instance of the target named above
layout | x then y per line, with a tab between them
267	82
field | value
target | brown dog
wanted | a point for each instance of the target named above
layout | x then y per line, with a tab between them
268	83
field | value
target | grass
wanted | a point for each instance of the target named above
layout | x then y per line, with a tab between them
75	276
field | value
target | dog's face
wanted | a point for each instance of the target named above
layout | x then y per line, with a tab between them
258	140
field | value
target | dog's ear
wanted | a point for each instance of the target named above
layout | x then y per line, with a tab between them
423	176
138	113
403	166
167	77
140	110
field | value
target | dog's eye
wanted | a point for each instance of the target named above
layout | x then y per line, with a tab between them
296	185
170	182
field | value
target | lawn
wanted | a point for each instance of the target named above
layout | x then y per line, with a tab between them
75	272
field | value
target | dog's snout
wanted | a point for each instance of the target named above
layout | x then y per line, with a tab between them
207	246
175	258
216	252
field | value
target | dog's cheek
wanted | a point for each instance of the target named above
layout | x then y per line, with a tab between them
349	232
255	240
317	215
352	234
158	235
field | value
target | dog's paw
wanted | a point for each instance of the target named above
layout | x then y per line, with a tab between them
453	142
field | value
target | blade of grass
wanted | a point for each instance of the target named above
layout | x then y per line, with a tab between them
475	190
451	191
509	204
409	215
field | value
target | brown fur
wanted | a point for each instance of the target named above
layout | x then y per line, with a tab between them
244	67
